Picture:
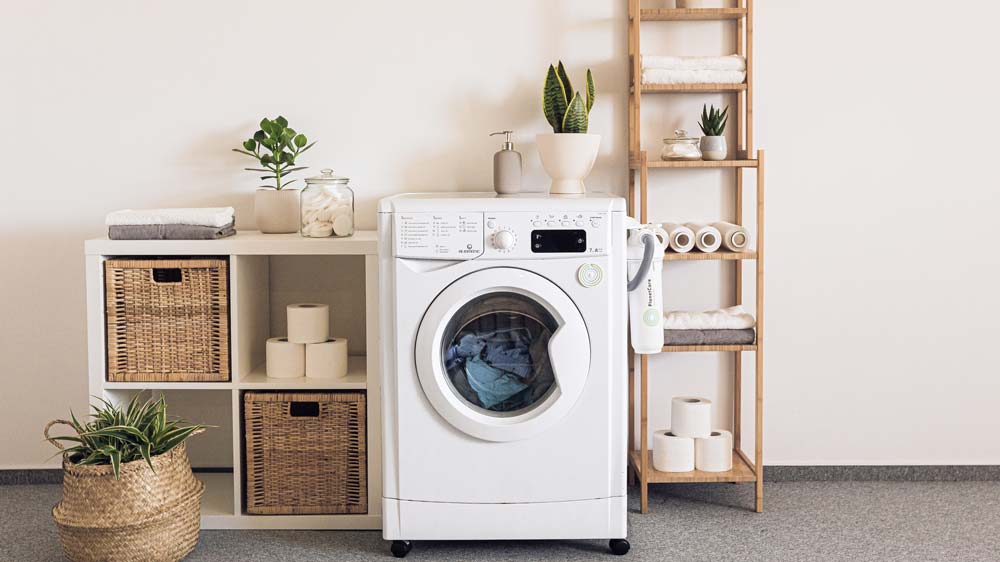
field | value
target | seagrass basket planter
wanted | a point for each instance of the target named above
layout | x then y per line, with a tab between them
306	453
167	320
140	517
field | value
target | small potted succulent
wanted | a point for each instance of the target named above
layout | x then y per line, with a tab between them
568	152
128	489
713	126
276	146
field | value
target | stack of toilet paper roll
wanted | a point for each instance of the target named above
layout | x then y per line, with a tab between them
706	237
308	351
691	443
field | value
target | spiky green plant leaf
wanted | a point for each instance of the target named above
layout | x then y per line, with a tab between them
554	100
591	91
713	121
575	120
564	78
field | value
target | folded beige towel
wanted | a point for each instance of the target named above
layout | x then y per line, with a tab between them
655	76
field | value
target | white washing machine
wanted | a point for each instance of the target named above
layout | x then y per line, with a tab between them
503	326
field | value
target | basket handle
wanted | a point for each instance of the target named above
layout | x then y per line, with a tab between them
303	409
167	275
52	440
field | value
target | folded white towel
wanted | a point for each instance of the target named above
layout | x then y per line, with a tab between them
732	318
658	62
655	76
206	216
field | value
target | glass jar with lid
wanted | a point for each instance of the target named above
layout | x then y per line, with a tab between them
681	147
327	206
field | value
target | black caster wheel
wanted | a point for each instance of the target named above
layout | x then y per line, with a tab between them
619	546
400	549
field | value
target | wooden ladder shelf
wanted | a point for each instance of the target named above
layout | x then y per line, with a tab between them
745	468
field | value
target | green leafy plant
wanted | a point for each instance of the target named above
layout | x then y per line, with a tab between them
275	146
117	435
563	107
713	122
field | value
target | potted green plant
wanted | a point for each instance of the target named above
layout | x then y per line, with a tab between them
276	146
128	490
713	126
569	152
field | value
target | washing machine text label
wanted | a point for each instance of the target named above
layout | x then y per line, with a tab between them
445	236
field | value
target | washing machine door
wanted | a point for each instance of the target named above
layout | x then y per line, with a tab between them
502	354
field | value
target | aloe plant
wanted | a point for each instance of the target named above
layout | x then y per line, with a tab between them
563	107
713	122
117	435
275	146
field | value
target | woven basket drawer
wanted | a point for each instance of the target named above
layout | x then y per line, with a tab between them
167	319
306	453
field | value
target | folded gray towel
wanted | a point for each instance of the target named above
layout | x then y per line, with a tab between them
745	336
170	232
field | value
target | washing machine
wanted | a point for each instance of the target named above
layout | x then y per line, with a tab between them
503	359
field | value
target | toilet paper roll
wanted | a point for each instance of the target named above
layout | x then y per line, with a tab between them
308	323
707	238
715	452
327	360
691	416
284	359
735	238
681	237
672	453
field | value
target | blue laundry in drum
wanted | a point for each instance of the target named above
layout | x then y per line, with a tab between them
496	363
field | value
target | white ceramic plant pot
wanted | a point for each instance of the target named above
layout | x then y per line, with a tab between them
713	148
277	212
567	159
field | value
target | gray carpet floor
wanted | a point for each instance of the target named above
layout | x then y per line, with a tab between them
803	521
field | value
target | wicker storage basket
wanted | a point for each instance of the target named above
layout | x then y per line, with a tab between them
305	453
167	320
141	517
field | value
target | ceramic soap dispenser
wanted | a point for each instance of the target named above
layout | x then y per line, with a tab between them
506	167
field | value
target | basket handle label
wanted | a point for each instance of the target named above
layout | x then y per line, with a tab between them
303	409
167	275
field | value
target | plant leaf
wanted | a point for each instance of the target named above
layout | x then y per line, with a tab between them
575	120
591	91
554	100
300	141
281	121
564	78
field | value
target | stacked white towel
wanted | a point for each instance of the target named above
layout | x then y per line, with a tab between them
206	216
730	69
732	318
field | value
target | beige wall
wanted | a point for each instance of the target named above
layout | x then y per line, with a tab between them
877	117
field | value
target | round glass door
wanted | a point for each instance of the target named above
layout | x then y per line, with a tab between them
496	353
502	354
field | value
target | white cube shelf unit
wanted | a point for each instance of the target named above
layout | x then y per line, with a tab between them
266	272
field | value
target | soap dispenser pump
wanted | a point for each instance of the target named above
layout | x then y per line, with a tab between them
506	167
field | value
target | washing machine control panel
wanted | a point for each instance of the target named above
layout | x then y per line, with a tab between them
500	235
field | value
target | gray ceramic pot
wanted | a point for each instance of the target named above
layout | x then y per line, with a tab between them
713	148
277	212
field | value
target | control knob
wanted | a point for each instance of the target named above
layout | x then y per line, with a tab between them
504	240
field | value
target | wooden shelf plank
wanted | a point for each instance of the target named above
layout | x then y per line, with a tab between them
356	379
710	256
692	14
245	242
740	472
741	163
683	348
691	88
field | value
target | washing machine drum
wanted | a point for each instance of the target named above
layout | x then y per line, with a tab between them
502	354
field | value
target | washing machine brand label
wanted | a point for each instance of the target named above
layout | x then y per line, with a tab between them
439	235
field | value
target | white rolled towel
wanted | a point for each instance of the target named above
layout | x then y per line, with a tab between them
207	216
657	76
681	237
735	238
732	318
661	62
707	238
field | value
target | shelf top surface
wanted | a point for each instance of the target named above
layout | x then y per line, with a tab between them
245	242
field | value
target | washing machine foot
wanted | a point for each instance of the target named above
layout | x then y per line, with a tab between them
400	549
619	546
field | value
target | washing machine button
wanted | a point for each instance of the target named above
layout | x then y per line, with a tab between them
551	223
536	223
579	223
590	275
491	224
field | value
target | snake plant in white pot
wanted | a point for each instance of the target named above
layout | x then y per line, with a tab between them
568	152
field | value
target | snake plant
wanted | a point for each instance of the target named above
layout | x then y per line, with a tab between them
563	107
117	435
713	122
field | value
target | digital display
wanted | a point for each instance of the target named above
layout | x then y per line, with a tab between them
558	241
